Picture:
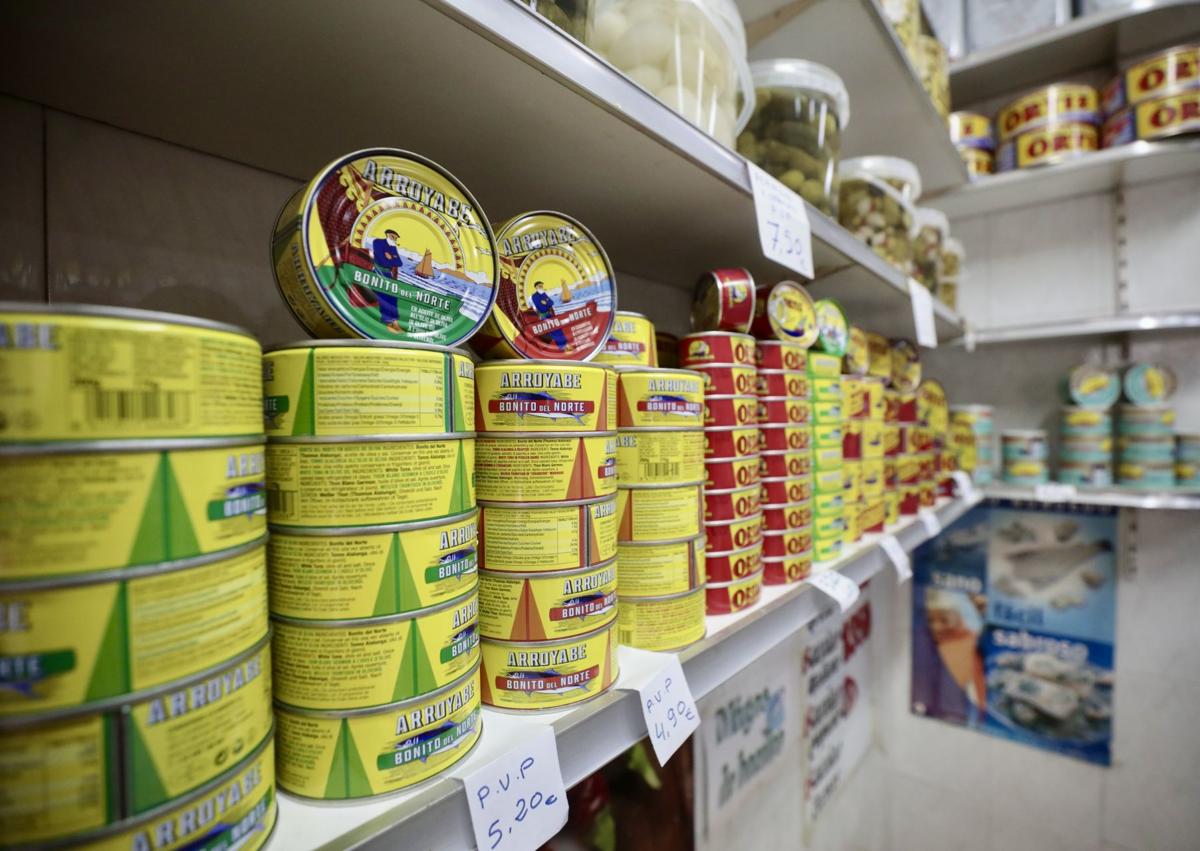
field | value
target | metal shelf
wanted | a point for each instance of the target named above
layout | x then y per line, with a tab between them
523	114
435	815
1116	497
1096	327
1103	38
890	112
1100	171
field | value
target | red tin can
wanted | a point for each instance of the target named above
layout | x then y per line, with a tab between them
724	379
782	465
733	534
731	442
733	504
729	473
785	438
785	571
791	543
781	354
705	347
782	518
732	565
730	410
781	382
786	491
724	301
784	409
724	598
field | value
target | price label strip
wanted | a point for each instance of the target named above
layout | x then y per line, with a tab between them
898	557
1055	492
966	487
842	589
518	800
666	699
783	227
922	308
929	519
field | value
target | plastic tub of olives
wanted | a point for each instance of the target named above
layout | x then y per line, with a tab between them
932	229
794	133
876	205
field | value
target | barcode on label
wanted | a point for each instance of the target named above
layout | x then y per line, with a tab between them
154	404
281	501
625	636
660	469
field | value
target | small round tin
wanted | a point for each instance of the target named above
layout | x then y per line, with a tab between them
785	491
544	467
730	473
548	674
660	456
733	504
530	396
787	571
1092	387
734	534
782	518
632	342
723	379
730	410
548	604
780	382
781	355
659	513
660	568
705	347
785	311
1148	384
793	542
731	565
857	360
906	366
732	442
782	465
656	398
724	300
724	598
518	537
773	410
785	438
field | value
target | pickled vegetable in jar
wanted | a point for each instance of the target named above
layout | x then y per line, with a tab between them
572	16
876	205
794	133
952	259
929	58
932	228
690	54
905	18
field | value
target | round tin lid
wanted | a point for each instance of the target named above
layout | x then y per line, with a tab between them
833	331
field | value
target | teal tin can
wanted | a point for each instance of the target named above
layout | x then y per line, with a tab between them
1091	387
1148	420
1154	450
1146	476
1148	383
1086	450
1084	422
1187	448
1086	475
1023	445
1187	474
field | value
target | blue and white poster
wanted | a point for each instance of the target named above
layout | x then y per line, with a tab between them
1014	610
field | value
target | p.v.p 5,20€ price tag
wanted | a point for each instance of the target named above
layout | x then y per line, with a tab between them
783	227
518	800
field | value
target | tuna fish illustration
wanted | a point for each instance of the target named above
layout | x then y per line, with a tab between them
538	405
664	404
582	606
550	675
431	742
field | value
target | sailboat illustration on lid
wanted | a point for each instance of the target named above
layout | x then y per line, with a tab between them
425	267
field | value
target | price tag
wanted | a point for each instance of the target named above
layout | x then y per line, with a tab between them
969	338
897	556
668	707
966	487
922	308
783	227
1054	492
930	521
842	589
518	800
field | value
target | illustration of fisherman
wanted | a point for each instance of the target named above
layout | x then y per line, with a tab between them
544	306
386	255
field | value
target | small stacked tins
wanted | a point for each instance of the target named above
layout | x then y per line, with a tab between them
970	440
930	440
660	533
732	501
1085	426
546	473
1050	124
1023	453
1145	445
831	519
134	644
863	440
1187	460
971	134
373	563
1155	97
902	401
632	342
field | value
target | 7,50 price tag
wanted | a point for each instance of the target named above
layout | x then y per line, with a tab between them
783	227
518	800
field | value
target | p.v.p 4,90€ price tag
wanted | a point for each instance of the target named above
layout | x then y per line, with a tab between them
783	227
669	708
518	800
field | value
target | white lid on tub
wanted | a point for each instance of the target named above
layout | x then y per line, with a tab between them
888	168
802	74
933	218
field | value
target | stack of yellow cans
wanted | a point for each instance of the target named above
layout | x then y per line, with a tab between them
910	437
660	471
862	441
134	638
829	497
373	563
787	482
632	342
546	473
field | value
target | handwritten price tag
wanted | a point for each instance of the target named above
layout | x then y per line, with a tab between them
922	308
1054	492
898	557
783	227
966	487
842	589
929	519
669	709
518	800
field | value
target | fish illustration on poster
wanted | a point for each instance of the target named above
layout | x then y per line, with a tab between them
1014	626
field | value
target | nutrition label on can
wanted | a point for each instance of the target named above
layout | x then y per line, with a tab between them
659	514
545	469
664	457
658	569
361	484
364	392
661	624
343	667
528	539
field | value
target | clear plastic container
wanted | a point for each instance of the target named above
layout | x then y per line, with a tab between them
795	131
876	205
933	67
905	18
690	54
931	231
573	16
953	258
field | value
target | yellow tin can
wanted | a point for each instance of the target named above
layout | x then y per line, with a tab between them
236	811
549	674
891	507
77	512
873	439
544	468
359	664
313	482
649	398
632	341
827	549
660	568
324	388
660	456
557	291
80	773
373	571
660	513
387	245
84	645
824	365
547	605
83	372
879	353
520	538
533	396
662	623
390	748
872	477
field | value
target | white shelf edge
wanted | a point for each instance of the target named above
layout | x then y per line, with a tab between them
1114	497
1094	327
435	816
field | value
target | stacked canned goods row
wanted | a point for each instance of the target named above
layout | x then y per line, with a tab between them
373	563
862	440
971	440
832	516
546	473
1187	460
134	648
1024	454
910	444
1155	97
933	414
